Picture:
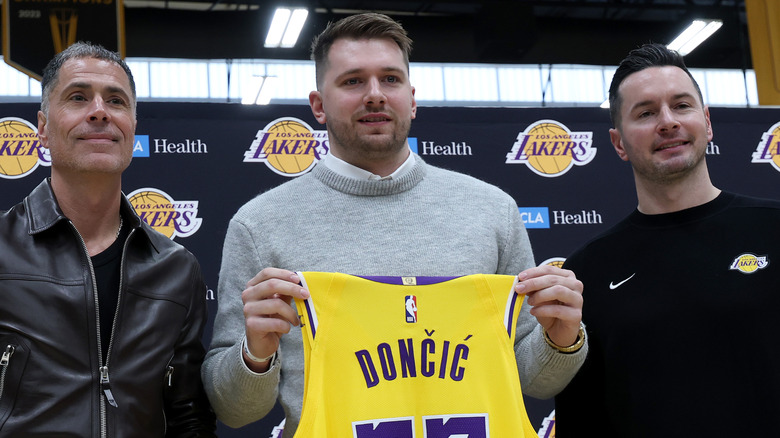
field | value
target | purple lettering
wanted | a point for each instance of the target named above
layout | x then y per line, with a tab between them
171	221
260	146
445	427
461	352
406	353
386	359
521	149
427	367
443	368
767	154
396	428
367	365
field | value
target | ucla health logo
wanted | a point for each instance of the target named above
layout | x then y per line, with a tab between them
535	217
164	214
141	146
20	150
288	146
749	263
768	149
549	149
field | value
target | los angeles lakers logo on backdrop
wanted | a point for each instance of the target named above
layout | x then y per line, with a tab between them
161	212
20	150
549	149
548	426
768	149
554	261
288	146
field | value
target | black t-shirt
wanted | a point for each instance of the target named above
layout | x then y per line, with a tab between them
681	312
107	266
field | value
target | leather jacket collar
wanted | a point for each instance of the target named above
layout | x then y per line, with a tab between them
43	212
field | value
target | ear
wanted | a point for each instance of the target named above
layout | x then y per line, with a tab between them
317	107
617	142
42	136
414	105
709	123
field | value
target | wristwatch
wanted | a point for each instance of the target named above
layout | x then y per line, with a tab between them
570	349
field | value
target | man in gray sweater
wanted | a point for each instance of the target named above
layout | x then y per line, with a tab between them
371	207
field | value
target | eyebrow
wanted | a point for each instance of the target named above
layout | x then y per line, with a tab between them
88	86
651	101
360	70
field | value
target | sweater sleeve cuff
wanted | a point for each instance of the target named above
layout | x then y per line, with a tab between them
273	368
556	369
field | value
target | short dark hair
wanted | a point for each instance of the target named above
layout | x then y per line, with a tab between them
361	26
78	50
646	56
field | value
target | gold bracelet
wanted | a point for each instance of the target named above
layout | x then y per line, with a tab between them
570	349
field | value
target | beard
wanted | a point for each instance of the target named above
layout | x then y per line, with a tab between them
673	169
370	146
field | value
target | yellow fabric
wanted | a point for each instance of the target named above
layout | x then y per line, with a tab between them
370	373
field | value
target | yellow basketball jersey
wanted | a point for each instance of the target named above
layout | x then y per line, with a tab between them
404	357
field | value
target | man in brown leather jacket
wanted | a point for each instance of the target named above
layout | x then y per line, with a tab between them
101	316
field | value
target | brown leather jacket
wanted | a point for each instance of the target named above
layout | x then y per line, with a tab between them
52	377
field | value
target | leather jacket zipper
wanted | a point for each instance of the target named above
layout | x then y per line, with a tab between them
5	360
169	375
105	385
104	380
103	426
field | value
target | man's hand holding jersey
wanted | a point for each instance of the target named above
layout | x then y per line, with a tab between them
268	313
556	297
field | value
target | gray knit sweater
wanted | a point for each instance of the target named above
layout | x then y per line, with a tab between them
430	221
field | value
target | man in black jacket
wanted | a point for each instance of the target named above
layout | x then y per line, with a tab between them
101	316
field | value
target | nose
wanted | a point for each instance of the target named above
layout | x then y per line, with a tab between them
98	111
667	120
374	94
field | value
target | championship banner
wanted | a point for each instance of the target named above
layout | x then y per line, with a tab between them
36	30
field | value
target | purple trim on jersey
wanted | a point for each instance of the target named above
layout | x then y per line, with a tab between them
307	303
510	323
421	281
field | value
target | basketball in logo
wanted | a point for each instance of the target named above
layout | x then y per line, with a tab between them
554	261
768	149
549	164
19	148
749	263
151	205
550	149
284	160
288	146
776	137
167	216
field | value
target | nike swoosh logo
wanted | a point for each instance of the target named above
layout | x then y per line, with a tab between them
613	286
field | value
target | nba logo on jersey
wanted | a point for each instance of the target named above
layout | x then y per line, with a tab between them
411	308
